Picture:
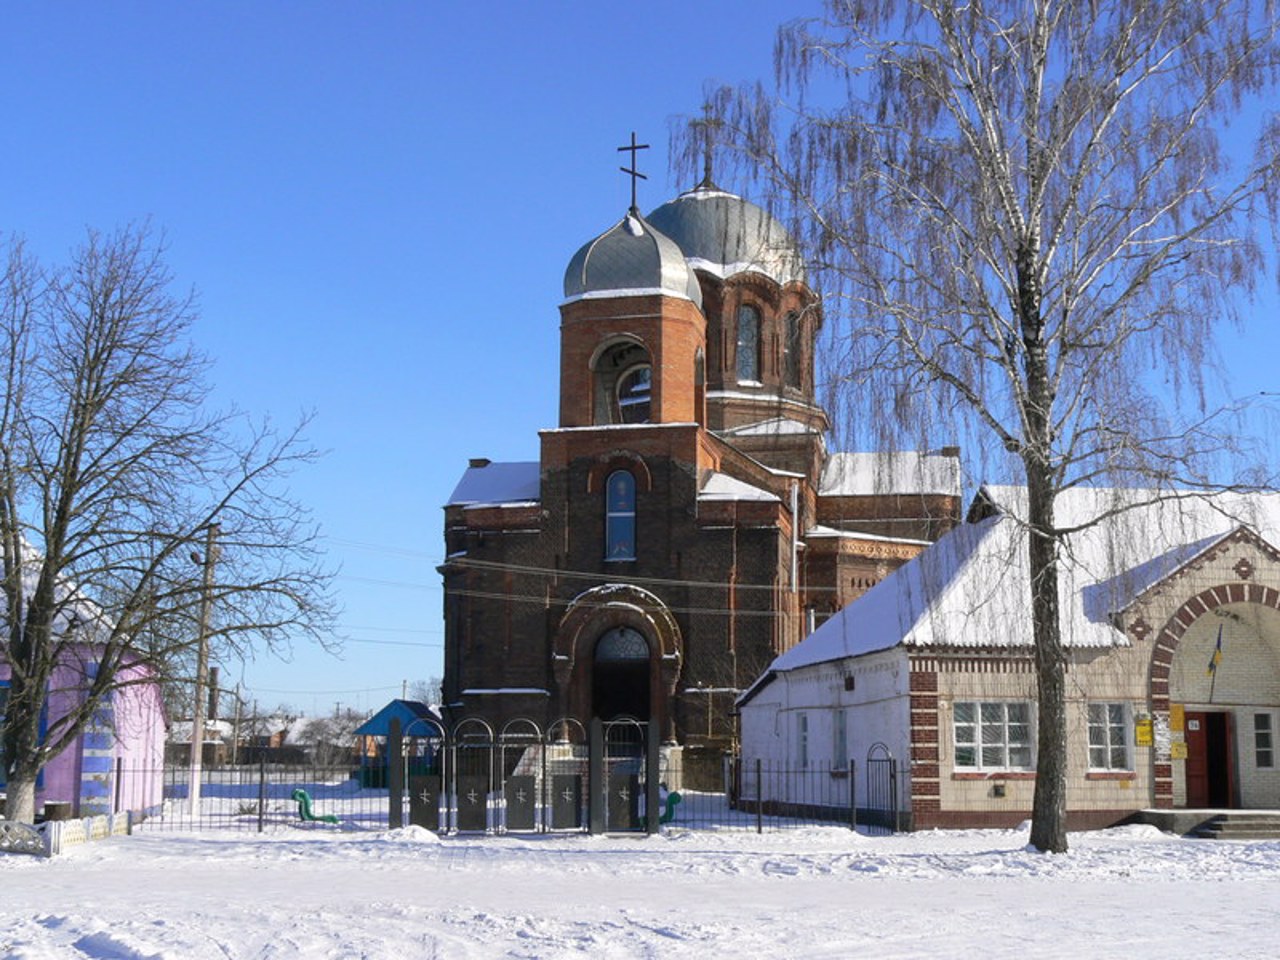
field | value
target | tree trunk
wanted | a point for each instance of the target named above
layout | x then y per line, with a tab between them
1049	808
22	755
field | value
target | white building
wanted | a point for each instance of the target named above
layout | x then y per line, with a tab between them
933	666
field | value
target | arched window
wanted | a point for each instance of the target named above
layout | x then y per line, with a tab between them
621	644
634	390
791	345
748	344
620	516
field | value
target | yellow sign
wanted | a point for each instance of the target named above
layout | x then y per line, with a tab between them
1178	750
1177	718
1142	733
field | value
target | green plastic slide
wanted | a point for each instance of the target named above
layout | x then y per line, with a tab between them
304	809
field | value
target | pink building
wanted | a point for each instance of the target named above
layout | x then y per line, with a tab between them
116	764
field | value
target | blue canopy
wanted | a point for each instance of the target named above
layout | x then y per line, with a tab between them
407	711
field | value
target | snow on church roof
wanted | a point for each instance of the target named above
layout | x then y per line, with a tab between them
511	482
969	590
721	486
903	472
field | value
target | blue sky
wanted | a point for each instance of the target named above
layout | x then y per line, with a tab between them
375	203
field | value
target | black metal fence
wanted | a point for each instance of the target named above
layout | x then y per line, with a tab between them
538	789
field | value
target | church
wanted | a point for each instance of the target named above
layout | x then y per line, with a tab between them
685	523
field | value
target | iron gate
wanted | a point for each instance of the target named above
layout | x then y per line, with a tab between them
882	790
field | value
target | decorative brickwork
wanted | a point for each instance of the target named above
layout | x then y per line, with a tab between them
925	772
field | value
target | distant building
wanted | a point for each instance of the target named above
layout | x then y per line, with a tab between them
685	523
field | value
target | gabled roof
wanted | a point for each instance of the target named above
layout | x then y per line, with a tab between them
970	591
407	711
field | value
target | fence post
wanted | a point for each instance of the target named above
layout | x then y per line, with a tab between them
395	775
853	796
759	798
653	759
262	792
596	778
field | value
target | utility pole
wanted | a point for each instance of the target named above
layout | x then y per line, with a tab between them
202	666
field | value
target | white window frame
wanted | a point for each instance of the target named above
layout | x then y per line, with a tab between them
839	739
1264	741
989	739
1110	734
802	740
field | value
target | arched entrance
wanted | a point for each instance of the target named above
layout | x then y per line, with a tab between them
624	681
1221	671
620	680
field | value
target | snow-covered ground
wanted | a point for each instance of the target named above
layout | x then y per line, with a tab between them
320	892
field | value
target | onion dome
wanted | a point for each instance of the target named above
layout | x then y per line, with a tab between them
724	234
630	259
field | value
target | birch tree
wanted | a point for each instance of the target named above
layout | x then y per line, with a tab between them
1027	225
112	470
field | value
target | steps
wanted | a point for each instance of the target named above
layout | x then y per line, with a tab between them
1240	825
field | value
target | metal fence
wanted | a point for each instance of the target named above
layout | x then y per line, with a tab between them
538	788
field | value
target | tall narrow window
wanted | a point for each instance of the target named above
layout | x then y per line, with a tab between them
620	516
839	740
1264	750
802	740
791	350
748	344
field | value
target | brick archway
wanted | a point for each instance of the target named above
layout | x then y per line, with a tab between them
598	610
1166	645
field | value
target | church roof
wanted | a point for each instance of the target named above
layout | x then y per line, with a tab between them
721	486
724	234
902	472
969	590
630	258
511	482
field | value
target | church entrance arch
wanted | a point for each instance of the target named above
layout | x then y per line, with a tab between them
618	652
620	675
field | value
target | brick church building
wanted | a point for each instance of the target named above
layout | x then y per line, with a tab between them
685	523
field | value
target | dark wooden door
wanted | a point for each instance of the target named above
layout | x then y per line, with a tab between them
1209	774
1197	761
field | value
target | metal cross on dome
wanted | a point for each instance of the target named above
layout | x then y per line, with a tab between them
632	171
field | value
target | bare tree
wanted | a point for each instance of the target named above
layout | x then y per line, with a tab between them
427	691
111	471
1024	216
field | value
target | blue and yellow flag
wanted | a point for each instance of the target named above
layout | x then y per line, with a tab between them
1217	655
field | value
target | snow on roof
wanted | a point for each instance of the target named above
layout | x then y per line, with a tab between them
821	531
969	590
510	482
903	472
721	486
769	428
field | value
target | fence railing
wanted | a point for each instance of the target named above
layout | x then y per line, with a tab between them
533	795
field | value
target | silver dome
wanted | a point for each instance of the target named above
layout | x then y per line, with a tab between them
724	234
630	258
